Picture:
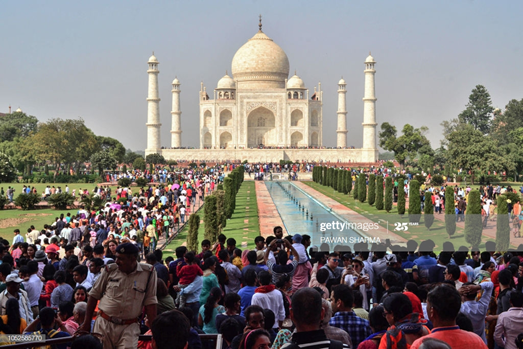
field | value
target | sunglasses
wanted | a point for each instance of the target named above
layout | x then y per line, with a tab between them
336	260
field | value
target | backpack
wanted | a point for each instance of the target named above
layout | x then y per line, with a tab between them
48	335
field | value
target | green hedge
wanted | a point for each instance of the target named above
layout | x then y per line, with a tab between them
388	194
502	225
379	193
450	213
62	178
372	189
473	221
428	209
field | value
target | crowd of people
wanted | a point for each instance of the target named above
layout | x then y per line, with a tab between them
281	294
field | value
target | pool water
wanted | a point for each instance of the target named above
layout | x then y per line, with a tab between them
302	214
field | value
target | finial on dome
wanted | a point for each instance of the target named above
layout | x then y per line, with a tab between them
153	53
294	71
370	54
226	72
260	24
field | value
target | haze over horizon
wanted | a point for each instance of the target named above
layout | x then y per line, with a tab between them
65	59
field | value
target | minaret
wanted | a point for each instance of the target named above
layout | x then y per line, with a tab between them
153	108
342	115
369	106
176	131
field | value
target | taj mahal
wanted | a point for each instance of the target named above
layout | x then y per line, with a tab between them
260	114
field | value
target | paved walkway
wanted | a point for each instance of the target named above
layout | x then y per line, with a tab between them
351	216
268	215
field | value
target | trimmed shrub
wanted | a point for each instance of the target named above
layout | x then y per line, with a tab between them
141	182
356	190
428	209
341	180
349	180
473	221
379	193
139	164
502	225
450	213
124	182
3	201
414	202
61	201
27	201
211	218
401	198
388	194
437	180
372	189
362	188
192	235
335	180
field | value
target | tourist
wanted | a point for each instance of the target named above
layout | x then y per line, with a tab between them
247	291
232	305
210	280
378	325
13	291
209	311
267	297
12	320
233	273
476	310
48	321
510	323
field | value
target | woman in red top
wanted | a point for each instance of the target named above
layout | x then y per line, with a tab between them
49	285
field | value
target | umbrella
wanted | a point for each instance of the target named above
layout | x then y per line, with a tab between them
175	186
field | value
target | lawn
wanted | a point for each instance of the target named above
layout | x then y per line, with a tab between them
12	219
437	232
243	225
40	187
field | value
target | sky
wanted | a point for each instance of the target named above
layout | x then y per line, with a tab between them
70	59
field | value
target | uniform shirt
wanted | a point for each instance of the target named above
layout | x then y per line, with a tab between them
123	295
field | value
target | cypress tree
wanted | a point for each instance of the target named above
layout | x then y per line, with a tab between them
341	180
331	177
414	202
335	180
211	218
428	209
192	235
473	223
324	174
450	214
388	194
372	189
355	192
346	178
502	225
349	180
362	188
220	211
315	174
401	198
227	183
379	193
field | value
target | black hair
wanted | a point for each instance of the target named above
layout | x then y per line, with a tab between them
59	277
484	257
189	256
251	309
81	269
250	277
209	262
98	249
445	257
180	251
270	319
464	322
249	338
162	329
376	319
222	238
69	248
231	242
223	254
230	300
358	298
307	306
399	305
151	258
66	308
12	310
446	300
79	287
252	257
86	342
47	316
204	243
284	278
343	293
391	278
264	277
214	296
454	270
516	298
412	287
6	269
230	328
259	238
322	275
282	257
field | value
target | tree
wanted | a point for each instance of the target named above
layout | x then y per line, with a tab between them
324	176
211	219
388	194
428	210
356	190
479	110
407	146
139	164
192	235
502	225
130	156
341	180
401	198
505	122
27	201
473	221
362	188
220	211
61	201
450	214
471	151
414	202
372	189
335	179
229	196
114	147
7	170
17	125
379	193
155	159
102	160
347	183
426	162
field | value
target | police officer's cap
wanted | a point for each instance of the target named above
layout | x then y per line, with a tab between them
127	248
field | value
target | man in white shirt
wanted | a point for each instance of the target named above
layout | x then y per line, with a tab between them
66	232
233	273
268	297
33	287
80	276
476	310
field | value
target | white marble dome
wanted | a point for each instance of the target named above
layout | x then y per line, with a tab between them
370	59
295	82
260	63
342	82
226	82
18	110
176	81
152	59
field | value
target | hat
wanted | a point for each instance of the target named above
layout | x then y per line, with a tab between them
260	255
13	278
347	256
40	256
127	248
297	238
51	249
391	258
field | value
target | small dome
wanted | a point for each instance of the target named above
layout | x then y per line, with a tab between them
342	82
18	110
226	82
153	59
295	82
370	59
176	81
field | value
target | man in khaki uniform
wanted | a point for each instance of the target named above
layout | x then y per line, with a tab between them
123	289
